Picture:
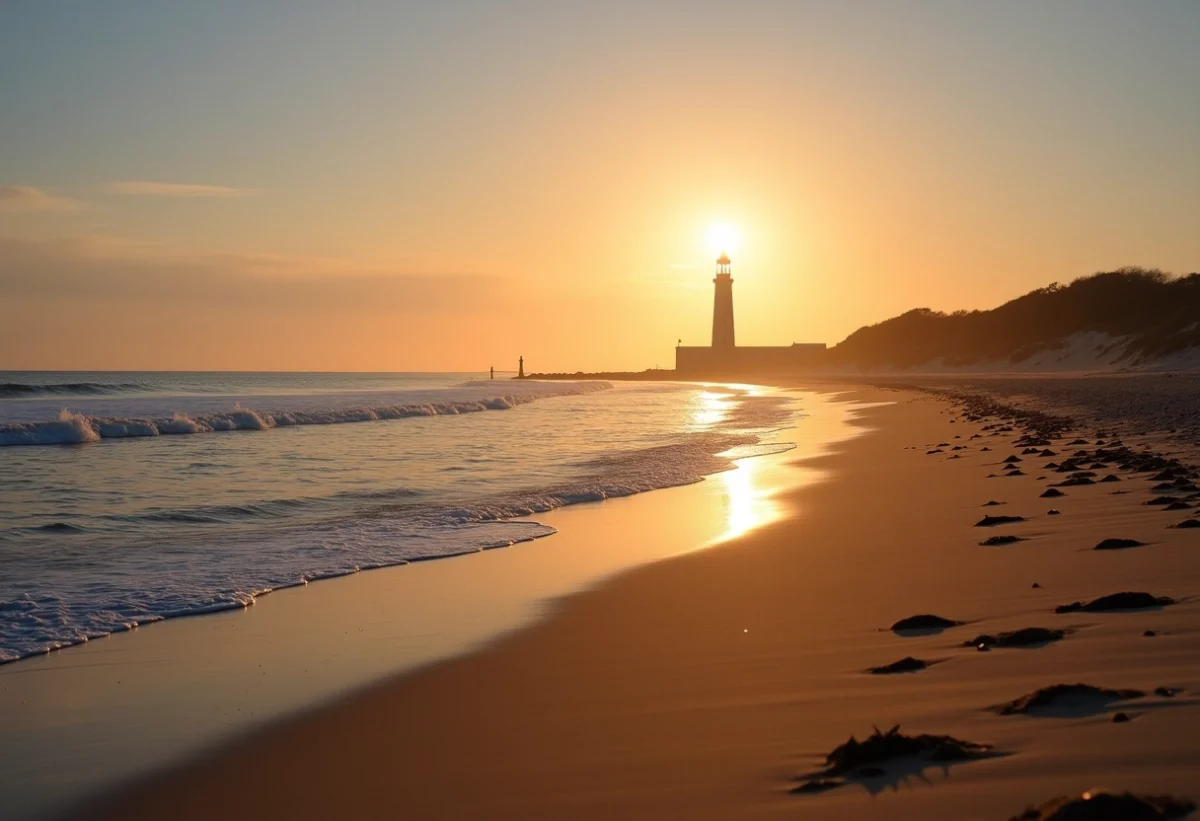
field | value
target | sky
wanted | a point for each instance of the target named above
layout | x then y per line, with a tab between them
303	185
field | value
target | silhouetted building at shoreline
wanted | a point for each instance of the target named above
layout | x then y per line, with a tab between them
725	357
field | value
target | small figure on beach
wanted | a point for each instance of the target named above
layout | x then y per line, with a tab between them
492	372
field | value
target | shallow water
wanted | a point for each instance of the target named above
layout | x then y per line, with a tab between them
138	497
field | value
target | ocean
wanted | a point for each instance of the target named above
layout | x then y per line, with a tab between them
128	498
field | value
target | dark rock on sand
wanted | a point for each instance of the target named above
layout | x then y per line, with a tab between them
908	664
1149	634
1010	459
1167	692
1118	544
1064	695
992	503
998	541
1163	500
1105	806
1036	586
992	521
1178	506
1052	493
1116	601
1188	524
1025	637
1053	512
924	621
1120	718
1111	478
1076	481
1016	472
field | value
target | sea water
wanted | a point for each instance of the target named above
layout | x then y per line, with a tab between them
128	498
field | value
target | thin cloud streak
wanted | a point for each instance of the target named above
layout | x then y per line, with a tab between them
149	188
26	198
89	270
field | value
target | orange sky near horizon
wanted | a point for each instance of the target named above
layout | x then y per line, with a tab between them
412	189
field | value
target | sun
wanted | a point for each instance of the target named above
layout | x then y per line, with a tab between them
723	238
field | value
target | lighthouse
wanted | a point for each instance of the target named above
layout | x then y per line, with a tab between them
722	334
723	359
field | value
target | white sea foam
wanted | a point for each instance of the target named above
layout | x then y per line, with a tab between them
71	427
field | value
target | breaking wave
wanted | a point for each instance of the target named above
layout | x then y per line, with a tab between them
76	428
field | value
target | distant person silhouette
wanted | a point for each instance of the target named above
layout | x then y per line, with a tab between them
492	370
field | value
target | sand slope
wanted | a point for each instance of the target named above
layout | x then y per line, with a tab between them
700	686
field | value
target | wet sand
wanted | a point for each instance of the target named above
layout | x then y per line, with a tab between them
705	685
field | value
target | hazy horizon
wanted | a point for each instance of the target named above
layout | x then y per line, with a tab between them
409	188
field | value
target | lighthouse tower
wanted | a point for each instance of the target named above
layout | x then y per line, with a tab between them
722	337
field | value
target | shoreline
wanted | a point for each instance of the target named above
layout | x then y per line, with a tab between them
190	684
703	685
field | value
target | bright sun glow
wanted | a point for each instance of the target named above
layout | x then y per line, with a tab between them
723	238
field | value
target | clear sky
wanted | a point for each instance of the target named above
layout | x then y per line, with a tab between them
280	184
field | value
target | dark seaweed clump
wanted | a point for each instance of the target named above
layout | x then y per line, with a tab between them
1116	601
997	541
908	664
1025	637
1106	806
862	758
1058	695
992	521
924	621
1118	544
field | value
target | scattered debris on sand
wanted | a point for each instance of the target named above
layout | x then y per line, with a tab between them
1063	695
1106	806
908	664
924	621
992	521
1025	637
1116	601
1118	544
863	759
999	541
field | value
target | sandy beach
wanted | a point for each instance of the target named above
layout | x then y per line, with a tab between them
709	685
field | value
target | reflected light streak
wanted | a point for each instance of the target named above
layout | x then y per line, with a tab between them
710	409
748	503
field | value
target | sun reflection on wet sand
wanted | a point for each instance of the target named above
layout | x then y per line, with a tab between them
747	498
